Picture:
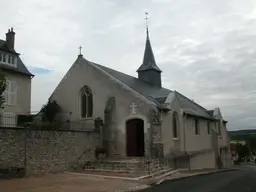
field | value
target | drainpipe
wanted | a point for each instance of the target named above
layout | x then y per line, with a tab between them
184	137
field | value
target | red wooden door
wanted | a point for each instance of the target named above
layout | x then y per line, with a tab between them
131	145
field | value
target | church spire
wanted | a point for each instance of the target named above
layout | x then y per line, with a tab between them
149	71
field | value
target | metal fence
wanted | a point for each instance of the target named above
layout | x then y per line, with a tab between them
9	120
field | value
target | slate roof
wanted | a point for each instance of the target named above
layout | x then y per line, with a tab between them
21	68
150	92
156	94
148	59
5	48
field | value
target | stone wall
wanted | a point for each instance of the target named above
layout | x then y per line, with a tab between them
47	150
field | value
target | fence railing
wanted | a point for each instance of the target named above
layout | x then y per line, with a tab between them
9	120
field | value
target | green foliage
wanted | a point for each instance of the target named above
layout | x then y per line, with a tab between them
242	150
2	88
245	135
50	110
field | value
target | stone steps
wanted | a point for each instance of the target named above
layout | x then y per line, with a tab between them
135	166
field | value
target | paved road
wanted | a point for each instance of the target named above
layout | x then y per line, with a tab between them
243	180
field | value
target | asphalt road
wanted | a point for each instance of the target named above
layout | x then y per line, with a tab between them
243	180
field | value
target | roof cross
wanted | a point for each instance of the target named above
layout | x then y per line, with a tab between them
80	50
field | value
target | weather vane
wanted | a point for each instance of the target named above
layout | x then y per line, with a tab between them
146	18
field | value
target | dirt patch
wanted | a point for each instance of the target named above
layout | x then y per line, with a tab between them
65	183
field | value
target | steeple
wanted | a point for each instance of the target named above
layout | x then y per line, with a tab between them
149	71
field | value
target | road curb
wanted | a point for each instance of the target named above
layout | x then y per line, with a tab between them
138	188
196	175
131	179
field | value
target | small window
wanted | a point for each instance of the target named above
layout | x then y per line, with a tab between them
9	58
209	131
13	60
219	128
196	127
175	125
4	58
86	102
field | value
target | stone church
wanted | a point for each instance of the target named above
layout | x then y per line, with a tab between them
140	117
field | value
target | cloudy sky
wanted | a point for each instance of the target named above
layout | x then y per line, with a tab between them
206	48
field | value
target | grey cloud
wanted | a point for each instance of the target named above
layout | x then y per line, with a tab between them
205	48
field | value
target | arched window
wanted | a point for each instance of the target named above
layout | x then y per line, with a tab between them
86	102
175	125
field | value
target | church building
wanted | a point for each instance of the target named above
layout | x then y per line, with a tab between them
140	117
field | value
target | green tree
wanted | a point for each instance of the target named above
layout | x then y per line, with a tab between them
50	110
242	150
2	89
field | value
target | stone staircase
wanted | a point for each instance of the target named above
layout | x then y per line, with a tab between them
130	166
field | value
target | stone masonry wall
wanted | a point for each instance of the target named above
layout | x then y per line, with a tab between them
47	151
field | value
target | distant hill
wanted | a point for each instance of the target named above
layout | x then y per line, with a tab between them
246	135
243	134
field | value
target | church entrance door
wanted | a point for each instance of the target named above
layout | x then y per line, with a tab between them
135	146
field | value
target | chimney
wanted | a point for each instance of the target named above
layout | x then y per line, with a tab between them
10	38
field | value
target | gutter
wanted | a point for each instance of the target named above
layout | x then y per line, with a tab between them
193	115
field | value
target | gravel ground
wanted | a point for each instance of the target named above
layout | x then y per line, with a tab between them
65	183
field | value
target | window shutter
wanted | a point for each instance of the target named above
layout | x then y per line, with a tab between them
10	93
13	92
5	97
6	92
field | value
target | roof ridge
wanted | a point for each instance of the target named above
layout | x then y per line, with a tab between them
115	70
129	76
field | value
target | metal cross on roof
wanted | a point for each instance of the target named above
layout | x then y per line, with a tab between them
80	50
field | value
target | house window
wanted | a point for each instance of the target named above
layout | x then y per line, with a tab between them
175	125
4	58
219	128
86	102
8	59
10	93
209	128
196	127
